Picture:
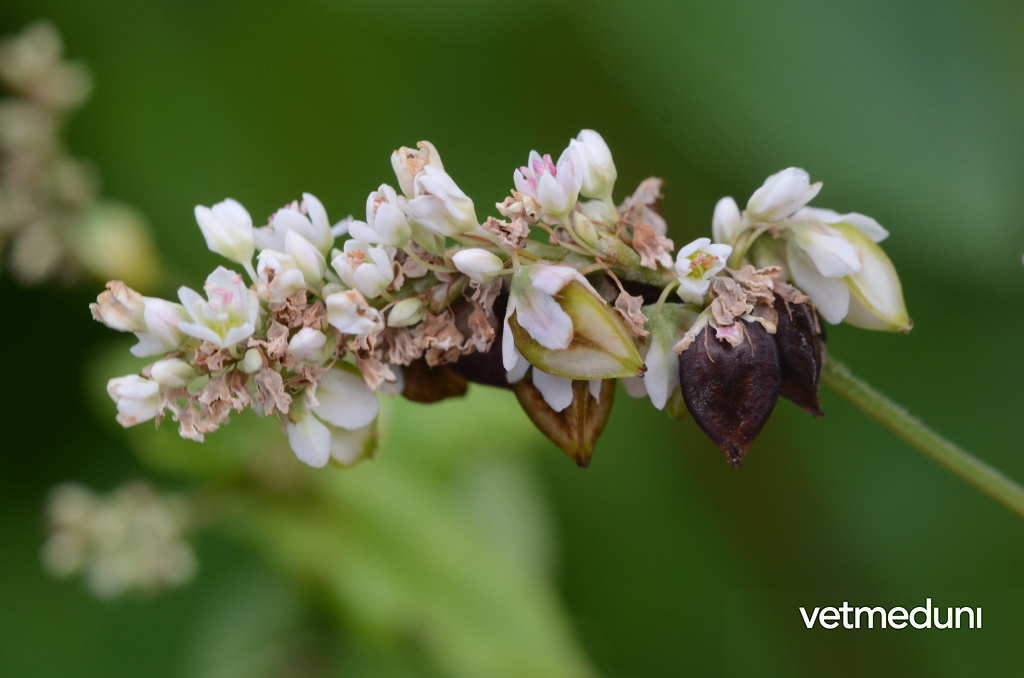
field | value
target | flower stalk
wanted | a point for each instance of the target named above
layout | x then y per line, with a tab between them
954	458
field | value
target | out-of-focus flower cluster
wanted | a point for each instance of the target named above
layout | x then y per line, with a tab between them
52	224
421	297
132	540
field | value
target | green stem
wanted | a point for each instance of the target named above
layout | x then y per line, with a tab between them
913	431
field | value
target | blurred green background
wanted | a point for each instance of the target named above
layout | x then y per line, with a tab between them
664	560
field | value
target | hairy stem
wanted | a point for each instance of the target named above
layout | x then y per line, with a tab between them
912	430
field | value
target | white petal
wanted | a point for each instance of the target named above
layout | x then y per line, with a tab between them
348	447
544	319
557	391
310	441
831	296
726	223
832	255
345	400
662	376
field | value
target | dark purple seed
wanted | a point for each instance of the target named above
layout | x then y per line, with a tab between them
800	355
731	390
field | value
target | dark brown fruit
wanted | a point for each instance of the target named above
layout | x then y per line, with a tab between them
731	390
800	355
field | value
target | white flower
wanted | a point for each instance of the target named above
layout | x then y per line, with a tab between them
162	333
308	344
439	205
478	264
555	186
227	228
782	194
696	263
278	277
597	169
408	162
137	399
345	405
349	313
229	313
847	276
365	268
386	221
308	220
406	312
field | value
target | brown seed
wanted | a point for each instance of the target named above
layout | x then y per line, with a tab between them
731	390
425	384
800	355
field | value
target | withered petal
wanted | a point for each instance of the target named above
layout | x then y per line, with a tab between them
731	390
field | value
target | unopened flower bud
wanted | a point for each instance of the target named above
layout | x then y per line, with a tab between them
585	230
227	228
597	169
137	399
307	258
478	264
406	312
782	194
252	361
172	373
120	308
727	223
308	344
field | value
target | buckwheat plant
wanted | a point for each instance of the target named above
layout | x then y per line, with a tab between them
556	298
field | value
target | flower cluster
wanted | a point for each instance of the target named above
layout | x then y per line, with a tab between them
422	297
51	223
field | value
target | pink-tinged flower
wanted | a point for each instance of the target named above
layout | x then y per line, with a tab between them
137	399
696	263
229	313
555	186
308	219
227	228
365	268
